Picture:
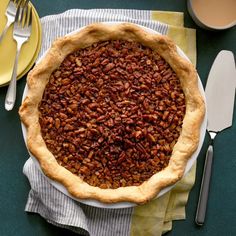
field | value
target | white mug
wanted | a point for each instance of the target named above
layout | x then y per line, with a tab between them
213	14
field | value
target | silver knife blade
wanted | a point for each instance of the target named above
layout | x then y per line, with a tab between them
220	92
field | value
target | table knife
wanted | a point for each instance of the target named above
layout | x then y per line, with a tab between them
220	95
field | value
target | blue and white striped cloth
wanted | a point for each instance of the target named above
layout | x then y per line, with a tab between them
54	26
44	199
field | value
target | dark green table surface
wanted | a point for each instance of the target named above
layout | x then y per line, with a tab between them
14	187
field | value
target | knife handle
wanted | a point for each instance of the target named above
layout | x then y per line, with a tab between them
203	198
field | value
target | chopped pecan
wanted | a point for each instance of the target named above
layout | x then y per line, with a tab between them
112	113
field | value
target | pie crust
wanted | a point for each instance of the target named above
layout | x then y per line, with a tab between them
187	142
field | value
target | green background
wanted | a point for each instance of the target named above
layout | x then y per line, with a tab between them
14	187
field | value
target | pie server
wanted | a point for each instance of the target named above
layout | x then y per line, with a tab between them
220	93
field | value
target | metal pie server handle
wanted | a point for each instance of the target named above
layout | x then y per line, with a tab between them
203	197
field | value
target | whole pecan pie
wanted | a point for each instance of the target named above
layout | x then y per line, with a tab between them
113	113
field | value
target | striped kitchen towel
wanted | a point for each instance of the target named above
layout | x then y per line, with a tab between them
154	218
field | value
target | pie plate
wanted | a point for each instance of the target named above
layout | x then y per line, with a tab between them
96	203
29	51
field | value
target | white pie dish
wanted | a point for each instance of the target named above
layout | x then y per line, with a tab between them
126	204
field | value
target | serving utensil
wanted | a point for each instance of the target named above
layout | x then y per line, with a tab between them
220	94
21	34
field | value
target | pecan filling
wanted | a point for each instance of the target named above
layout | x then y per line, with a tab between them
112	112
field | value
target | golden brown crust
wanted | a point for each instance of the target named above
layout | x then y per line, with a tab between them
184	148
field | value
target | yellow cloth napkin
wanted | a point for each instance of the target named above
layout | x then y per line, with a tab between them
155	218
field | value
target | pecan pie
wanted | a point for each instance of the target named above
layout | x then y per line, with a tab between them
113	113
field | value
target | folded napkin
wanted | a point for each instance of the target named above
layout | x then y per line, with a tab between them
153	218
